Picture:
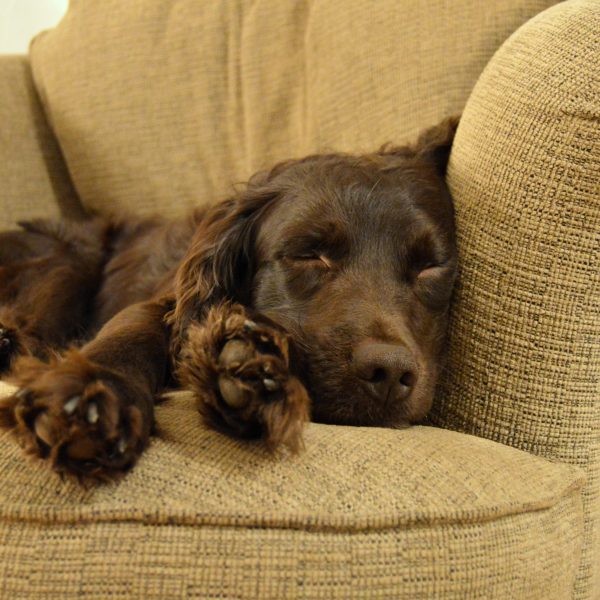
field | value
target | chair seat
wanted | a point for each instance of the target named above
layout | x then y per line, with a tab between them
363	512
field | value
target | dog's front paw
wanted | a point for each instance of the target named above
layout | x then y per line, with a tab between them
239	370
17	340
8	347
77	416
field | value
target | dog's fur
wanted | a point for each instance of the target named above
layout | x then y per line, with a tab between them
297	297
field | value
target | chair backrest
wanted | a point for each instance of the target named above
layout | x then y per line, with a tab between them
160	105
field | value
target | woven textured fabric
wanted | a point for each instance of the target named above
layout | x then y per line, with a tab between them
33	174
363	513
160	105
524	364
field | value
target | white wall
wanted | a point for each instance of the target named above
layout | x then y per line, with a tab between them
20	20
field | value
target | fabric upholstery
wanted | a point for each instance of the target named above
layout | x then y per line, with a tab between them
162	105
35	182
364	513
524	364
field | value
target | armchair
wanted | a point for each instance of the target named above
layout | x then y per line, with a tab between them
154	106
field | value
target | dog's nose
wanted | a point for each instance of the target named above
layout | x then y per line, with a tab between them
386	370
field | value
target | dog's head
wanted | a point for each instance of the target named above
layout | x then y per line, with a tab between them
355	256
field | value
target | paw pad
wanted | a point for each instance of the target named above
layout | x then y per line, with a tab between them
247	373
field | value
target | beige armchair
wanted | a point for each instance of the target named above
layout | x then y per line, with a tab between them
155	106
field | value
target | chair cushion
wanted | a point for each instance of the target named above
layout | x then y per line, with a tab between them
160	105
35	181
524	364
363	513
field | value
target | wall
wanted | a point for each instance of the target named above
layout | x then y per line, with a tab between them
20	20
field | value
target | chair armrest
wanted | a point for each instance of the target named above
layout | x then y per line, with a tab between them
35	181
524	359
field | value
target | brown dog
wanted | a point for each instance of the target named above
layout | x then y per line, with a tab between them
322	289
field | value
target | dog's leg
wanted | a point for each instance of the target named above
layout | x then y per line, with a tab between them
90	412
238	366
49	273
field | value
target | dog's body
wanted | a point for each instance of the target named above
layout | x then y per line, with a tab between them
321	289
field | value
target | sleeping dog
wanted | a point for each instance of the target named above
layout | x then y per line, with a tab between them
321	291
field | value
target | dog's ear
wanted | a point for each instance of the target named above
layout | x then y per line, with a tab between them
433	145
220	262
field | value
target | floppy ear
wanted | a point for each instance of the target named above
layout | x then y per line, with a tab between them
220	261
433	145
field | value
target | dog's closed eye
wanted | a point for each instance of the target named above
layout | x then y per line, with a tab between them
433	284
429	270
312	260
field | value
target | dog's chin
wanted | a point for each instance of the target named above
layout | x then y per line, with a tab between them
347	405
